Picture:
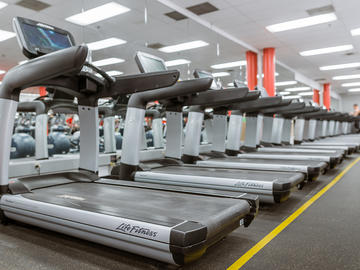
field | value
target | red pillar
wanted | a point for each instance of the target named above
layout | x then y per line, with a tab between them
316	96
251	69
269	70
42	91
326	96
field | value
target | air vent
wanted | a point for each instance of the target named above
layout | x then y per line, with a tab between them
321	10
202	8
321	79
177	16
33	4
349	54
155	45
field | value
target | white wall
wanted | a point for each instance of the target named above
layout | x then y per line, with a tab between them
348	100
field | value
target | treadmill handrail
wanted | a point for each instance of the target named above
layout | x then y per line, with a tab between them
219	98
32	106
183	88
256	105
305	112
70	108
285	109
40	69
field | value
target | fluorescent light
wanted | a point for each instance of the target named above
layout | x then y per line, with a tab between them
346	77
184	46
354	90
98	14
229	64
306	93
284	93
341	66
4	35
105	43
108	61
262	75
291	97
177	62
2	71
355	32
350	84
313	20
220	74
2	4
295	89
327	50
114	72
285	83
231	84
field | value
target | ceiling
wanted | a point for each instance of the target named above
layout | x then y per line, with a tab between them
243	19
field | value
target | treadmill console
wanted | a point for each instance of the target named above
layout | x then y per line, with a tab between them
149	63
204	74
36	39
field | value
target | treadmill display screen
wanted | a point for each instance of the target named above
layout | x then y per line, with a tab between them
214	85
203	74
150	64
44	39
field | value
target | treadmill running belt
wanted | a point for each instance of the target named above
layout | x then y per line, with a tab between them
139	204
268	176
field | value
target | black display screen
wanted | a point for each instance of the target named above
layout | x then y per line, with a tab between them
202	74
150	64
45	39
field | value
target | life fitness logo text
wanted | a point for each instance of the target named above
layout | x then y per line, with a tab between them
131	229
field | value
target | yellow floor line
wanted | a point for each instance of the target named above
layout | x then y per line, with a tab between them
263	242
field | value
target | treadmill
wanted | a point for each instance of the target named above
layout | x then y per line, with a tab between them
252	145
225	156
321	137
270	186
173	226
305	130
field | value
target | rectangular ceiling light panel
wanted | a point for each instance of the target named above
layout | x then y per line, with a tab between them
327	50
354	90
220	74
300	23
2	4
341	66
350	84
105	43
284	93
284	83
177	62
108	61
296	89
355	32
4	35
306	94
346	77
229	64
98	14
291	97
184	46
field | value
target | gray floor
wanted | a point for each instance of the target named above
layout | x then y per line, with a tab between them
326	236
